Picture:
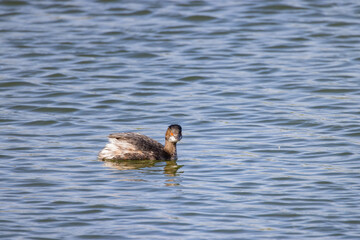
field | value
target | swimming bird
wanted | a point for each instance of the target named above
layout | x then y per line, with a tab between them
135	146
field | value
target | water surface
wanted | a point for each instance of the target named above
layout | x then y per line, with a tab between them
267	93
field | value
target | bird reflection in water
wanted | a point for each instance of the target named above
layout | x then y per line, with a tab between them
170	169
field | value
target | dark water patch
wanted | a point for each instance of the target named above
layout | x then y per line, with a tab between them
199	18
143	94
91	95
192	78
281	7
321	35
55	110
14	3
142	55
57	94
285	47
113	76
56	75
174	32
341	24
125	12
7	120
193	3
110	101
73	224
298	39
114	33
336	90
153	83
84	62
333	106
41	123
140	13
353	132
17	84
102	236
36	183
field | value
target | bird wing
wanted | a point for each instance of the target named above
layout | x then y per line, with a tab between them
136	141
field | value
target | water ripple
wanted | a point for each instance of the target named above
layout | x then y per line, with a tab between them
266	92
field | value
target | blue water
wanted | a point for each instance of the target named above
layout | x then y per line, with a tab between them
267	93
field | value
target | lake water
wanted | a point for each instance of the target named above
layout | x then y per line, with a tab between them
267	93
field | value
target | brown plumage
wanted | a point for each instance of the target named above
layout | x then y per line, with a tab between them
135	146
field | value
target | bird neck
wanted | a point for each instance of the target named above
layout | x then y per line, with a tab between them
170	148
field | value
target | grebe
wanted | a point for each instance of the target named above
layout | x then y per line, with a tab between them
135	146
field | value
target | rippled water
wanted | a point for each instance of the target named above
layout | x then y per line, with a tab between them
267	92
